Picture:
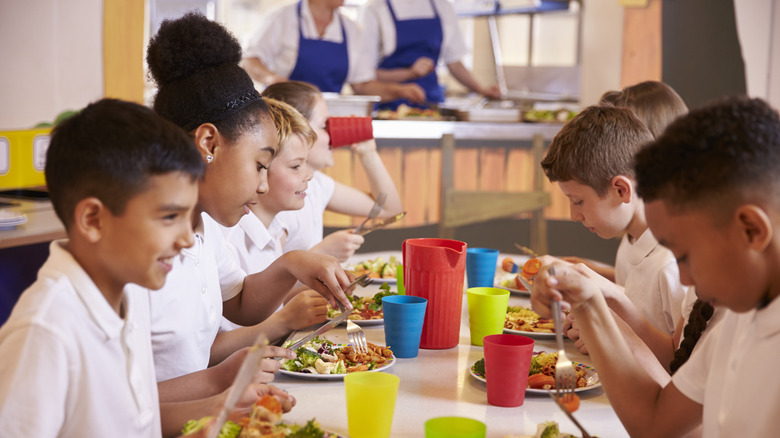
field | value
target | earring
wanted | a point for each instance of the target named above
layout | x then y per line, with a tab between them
209	158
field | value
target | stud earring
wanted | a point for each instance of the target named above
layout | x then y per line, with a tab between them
209	158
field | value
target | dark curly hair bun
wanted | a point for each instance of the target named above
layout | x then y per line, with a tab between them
194	62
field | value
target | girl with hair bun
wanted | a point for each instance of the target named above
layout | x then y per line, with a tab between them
201	88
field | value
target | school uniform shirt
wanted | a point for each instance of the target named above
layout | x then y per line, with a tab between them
732	373
187	311
70	365
256	246
304	226
277	40
379	27
651	279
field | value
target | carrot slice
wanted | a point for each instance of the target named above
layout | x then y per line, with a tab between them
573	404
532	266
540	380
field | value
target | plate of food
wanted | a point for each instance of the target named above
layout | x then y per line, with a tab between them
507	275
521	320
541	375
368	310
264	420
379	270
321	359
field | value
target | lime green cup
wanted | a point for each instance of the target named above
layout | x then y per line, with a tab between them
487	311
454	427
370	403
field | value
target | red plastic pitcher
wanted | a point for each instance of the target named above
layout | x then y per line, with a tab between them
434	269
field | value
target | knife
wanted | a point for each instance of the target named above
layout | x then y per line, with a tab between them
333	322
525	283
585	434
240	383
382	223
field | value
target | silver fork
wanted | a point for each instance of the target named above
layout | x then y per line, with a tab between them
374	212
355	333
565	376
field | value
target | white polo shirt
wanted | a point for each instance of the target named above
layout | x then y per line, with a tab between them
70	366
651	279
379	28
305	226
256	246
733	374
276	42
187	311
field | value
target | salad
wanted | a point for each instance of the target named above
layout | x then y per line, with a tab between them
321	356
377	268
366	308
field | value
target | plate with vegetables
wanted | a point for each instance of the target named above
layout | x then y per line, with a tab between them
507	273
321	359
379	270
541	375
368	310
265	420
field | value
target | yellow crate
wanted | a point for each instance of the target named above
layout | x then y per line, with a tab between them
23	157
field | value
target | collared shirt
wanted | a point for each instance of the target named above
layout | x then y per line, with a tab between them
276	41
651	279
733	374
304	226
379	29
70	366
187	311
256	246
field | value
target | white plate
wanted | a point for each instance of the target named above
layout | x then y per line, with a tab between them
590	375
10	218
308	376
500	275
366	322
534	335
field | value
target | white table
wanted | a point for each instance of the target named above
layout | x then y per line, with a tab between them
438	383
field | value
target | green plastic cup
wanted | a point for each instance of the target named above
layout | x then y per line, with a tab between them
454	427
370	403
399	279
487	311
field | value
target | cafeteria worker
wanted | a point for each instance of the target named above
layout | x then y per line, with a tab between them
406	39
312	41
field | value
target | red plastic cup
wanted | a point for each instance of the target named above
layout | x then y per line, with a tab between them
348	130
434	269
507	361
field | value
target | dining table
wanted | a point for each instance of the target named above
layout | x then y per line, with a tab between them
438	383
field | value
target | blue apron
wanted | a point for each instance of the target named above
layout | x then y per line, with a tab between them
415	38
322	63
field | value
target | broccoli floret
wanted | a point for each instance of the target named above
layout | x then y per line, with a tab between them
549	429
229	429
479	367
307	357
536	367
310	430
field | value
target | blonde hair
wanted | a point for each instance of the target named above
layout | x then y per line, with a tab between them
289	122
302	95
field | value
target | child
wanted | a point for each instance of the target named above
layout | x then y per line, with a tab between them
591	159
709	185
202	89
258	237
305	225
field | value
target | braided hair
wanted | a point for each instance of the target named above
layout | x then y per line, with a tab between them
697	323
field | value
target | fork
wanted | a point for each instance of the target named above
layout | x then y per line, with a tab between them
374	212
565	377
354	332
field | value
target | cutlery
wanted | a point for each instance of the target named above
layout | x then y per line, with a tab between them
240	383
374	212
526	250
560	404
362	280
565	377
381	224
525	283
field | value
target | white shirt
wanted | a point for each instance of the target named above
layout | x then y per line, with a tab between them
276	42
187	311
379	28
733	374
304	226
256	246
70	366
651	279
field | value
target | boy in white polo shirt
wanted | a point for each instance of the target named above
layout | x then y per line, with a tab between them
75	354
710	185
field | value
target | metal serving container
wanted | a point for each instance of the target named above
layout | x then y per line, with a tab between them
349	105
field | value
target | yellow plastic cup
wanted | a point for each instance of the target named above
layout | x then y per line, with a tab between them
454	427
370	403
487	311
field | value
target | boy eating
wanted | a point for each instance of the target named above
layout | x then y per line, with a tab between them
710	185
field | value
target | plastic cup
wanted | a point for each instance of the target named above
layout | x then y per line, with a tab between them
399	279
487	311
404	316
481	266
370	403
454	427
507	361
348	130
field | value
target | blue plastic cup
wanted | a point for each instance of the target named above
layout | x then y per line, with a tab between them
481	266
404	316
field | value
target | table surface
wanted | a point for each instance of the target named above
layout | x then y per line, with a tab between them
438	383
42	224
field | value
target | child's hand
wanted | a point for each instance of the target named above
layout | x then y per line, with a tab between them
566	285
571	331
305	309
364	147
341	244
255	391
321	272
266	368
